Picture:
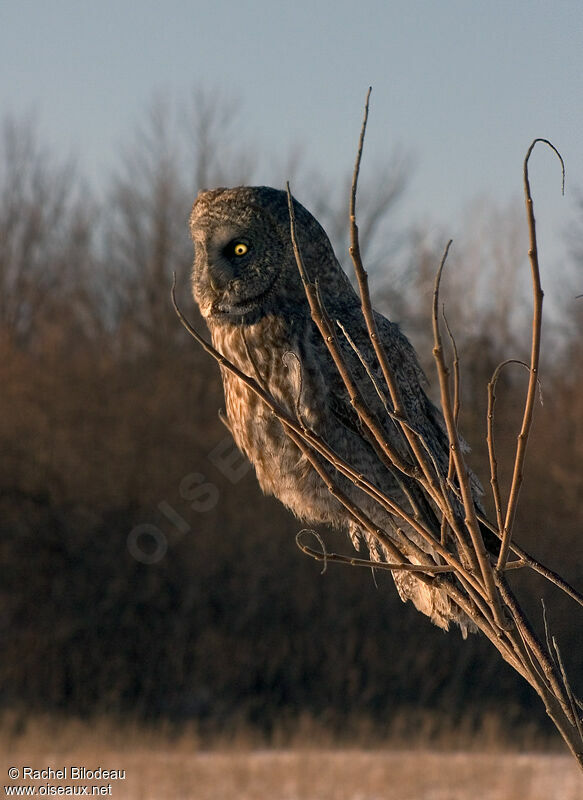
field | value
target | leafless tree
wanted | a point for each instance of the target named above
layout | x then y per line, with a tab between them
145	236
145	239
45	236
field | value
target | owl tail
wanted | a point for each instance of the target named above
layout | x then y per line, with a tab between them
430	600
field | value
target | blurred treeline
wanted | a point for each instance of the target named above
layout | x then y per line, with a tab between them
143	573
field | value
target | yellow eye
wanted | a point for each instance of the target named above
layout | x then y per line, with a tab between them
240	249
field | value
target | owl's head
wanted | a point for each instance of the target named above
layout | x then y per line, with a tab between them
244	264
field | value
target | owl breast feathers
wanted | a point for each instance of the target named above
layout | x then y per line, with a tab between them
248	288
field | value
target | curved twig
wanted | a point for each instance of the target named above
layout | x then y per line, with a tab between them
537	292
354	561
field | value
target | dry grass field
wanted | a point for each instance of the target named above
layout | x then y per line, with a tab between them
159	768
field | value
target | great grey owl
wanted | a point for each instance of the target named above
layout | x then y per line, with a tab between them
247	285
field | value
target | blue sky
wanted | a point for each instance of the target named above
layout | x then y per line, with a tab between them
465	86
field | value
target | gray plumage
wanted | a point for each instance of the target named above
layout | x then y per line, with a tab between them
247	285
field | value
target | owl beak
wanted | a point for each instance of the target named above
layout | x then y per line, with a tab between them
220	274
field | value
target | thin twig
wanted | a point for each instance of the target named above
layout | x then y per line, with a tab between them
471	520
546	627
325	556
553	646
494	483
550	575
542	658
456	412
456	372
366	366
398	421
537	292
572	699
399	410
529	561
326	328
429	478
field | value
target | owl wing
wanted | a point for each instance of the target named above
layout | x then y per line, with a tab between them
359	355
423	415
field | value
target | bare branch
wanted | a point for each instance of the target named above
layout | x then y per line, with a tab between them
325	556
471	520
491	441
456	563
534	359
368	314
